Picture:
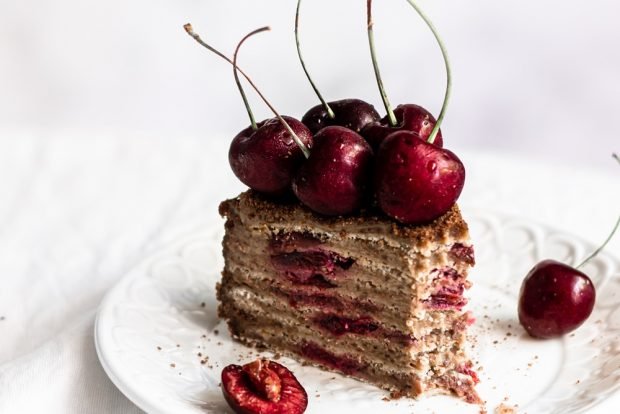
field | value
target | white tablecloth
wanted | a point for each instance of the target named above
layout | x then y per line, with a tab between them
78	210
114	128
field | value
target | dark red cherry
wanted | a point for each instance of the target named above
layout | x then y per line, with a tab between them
416	182
410	117
555	299
334	180
266	159
349	113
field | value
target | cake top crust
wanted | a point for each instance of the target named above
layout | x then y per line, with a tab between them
290	213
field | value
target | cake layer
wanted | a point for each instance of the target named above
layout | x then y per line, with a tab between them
392	314
427	372
259	213
328	268
363	332
363	295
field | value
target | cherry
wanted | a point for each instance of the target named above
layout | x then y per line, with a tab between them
354	114
555	299
263	387
333	180
266	159
264	156
409	117
416	182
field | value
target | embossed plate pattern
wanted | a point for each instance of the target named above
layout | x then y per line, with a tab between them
160	341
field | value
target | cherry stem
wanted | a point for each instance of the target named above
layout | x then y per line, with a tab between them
238	81
611	235
330	113
371	41
597	251
444	52
190	31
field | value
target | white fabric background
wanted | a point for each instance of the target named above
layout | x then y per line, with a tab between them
114	128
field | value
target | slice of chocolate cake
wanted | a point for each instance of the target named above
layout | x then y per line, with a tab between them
360	295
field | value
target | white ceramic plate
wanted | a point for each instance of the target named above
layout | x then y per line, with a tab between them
157	326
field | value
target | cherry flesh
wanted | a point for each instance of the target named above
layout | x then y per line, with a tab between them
416	182
263	387
555	299
410	117
267	158
354	114
333	181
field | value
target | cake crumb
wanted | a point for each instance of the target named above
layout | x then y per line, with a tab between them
173	365
203	336
216	332
505	409
395	395
2	318
203	304
159	348
178	346
277	356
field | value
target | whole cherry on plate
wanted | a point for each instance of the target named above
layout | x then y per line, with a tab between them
407	117
354	114
334	180
555	299
263	387
415	181
266	155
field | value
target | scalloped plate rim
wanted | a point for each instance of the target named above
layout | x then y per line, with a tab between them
207	226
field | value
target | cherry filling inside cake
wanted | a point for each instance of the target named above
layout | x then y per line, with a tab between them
363	296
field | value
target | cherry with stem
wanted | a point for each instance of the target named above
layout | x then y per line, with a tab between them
189	29
555	298
408	117
353	114
266	155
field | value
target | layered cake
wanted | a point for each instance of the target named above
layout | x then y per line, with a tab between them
361	295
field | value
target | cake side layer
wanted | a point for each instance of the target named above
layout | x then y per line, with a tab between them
438	281
256	210
389	314
433	372
361	331
363	296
